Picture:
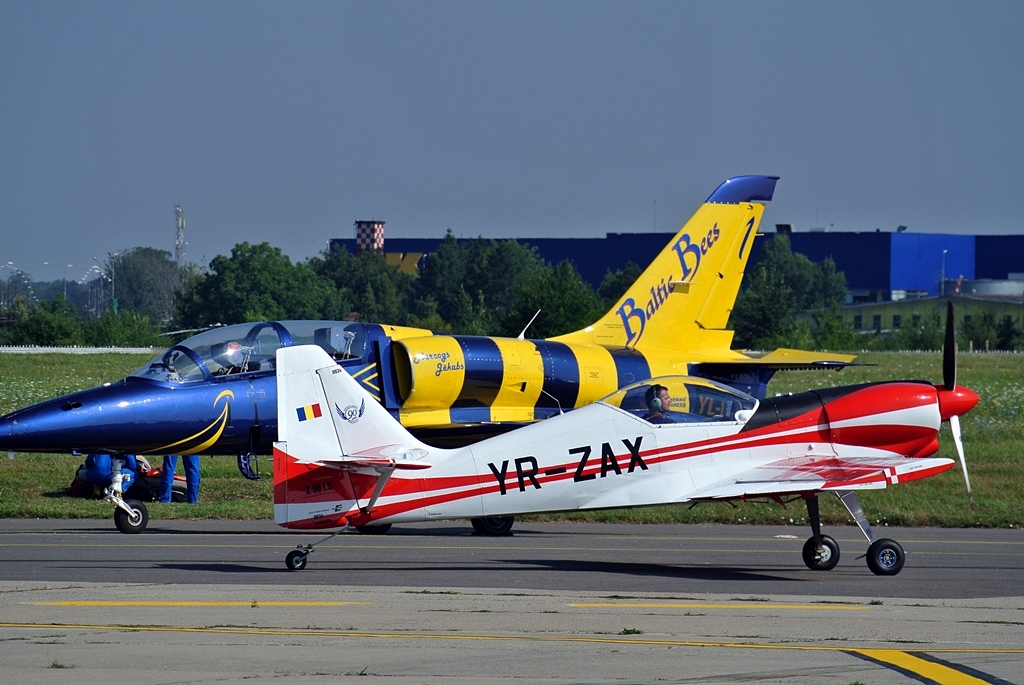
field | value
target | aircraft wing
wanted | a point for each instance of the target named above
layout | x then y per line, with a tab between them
781	358
822	473
786	358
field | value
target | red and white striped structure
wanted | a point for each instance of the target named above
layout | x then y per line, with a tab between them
369	235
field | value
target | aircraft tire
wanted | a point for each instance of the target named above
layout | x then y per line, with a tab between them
827	559
886	557
124	522
375	529
296	560
493	526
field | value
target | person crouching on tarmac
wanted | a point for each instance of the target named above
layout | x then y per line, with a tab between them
99	470
191	464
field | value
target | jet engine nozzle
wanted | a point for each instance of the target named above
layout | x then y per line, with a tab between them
955	402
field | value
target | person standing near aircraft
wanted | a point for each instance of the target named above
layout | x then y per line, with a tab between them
659	402
191	465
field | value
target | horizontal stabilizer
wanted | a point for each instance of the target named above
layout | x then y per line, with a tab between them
402	460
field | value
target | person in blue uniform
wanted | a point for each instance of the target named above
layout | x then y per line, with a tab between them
191	464
99	470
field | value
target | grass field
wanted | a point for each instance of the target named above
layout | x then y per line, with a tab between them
33	485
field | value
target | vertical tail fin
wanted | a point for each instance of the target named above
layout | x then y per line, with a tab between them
326	418
683	299
323	414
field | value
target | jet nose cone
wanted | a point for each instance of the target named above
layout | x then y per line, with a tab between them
6	431
956	402
85	421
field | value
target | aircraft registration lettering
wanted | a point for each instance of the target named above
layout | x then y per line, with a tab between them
528	469
711	406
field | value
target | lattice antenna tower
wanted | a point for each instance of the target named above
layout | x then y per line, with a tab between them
179	243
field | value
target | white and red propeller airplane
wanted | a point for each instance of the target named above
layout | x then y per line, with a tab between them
342	459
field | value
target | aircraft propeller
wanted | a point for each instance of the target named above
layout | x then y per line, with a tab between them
949	383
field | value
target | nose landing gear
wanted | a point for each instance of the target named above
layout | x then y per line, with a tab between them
130	516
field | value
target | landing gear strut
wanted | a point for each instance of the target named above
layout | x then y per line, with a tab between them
130	516
821	553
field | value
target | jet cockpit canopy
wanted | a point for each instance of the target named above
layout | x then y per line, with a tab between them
250	348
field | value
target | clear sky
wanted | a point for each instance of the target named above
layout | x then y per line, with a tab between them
286	121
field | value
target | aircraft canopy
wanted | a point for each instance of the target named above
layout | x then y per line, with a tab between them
250	347
692	400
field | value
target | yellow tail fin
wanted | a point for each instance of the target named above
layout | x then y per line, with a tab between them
683	299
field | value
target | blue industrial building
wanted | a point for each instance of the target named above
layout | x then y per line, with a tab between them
879	266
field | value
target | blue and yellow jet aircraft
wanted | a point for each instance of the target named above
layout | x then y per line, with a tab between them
216	393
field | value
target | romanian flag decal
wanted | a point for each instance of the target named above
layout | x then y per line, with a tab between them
311	411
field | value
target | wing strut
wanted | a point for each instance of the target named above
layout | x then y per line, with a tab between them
849	500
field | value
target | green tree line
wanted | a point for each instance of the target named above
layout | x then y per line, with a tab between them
472	287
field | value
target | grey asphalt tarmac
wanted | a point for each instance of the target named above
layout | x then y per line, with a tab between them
211	601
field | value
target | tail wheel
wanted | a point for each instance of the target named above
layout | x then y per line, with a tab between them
376	529
822	555
134	523
493	526
885	557
296	560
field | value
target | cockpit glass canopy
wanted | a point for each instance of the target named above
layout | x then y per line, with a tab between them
682	399
250	347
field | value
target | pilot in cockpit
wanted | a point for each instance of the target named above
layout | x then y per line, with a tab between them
659	402
229	357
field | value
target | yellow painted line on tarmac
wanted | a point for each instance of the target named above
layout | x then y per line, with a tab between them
918	668
171	603
698	605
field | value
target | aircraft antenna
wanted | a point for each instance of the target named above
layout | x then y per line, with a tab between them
179	243
522	336
545	392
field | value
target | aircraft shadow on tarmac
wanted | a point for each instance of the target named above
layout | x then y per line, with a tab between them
662	570
222	568
719	573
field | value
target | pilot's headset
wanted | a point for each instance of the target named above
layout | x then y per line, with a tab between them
651	397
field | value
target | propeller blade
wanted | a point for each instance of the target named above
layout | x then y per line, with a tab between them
949	351
954	425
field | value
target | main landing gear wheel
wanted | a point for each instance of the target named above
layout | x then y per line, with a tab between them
131	524
296	560
822	555
885	557
493	525
375	529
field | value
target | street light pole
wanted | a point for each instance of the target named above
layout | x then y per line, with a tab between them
942	278
113	274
